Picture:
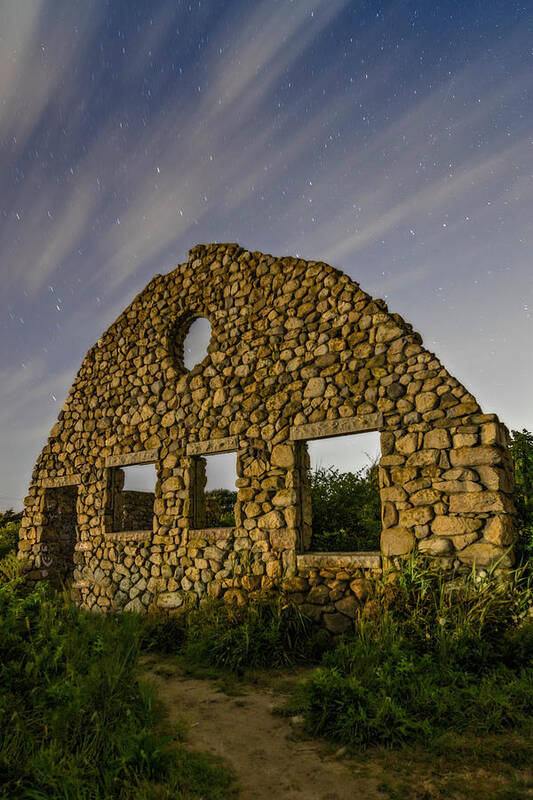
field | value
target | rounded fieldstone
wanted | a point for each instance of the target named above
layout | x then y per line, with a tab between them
336	623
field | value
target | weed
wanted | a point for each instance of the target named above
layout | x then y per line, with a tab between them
9	534
429	657
346	509
270	632
75	721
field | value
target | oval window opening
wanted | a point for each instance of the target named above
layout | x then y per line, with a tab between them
196	342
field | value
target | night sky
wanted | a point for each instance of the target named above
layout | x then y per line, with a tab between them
392	140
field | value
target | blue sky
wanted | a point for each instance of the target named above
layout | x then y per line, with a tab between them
390	139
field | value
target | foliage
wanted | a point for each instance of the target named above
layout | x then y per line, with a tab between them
270	632
378	689
10	567
163	634
428	657
521	449
346	509
9	532
10	516
75	721
428	602
220	505
9	535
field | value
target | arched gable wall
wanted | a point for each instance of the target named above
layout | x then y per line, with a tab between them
298	350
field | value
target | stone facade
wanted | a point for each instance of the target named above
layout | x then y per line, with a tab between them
298	352
137	511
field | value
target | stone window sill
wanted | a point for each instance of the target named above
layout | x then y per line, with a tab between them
365	560
129	536
211	534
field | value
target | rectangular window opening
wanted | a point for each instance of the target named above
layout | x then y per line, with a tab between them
132	497
341	507
214	492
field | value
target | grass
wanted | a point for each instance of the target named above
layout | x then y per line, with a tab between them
380	688
467	767
75	720
435	686
272	632
428	659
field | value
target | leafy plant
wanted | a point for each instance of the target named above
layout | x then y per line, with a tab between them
9	534
521	449
346	509
10	567
268	632
220	505
75	721
162	634
10	516
379	689
428	656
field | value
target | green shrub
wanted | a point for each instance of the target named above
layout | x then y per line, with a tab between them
161	634
75	722
427	657
269	632
521	449
10	566
9	537
379	689
10	516
346	509
220	508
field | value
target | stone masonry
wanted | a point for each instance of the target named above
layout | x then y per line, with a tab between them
298	352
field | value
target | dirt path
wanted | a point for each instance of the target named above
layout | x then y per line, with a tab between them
269	759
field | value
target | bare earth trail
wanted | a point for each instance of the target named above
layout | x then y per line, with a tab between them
267	757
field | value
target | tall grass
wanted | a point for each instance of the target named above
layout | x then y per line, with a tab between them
428	656
430	602
9	534
270	632
75	721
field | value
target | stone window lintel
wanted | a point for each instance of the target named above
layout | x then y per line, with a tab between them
120	536
337	427
211	534
132	459
213	446
60	482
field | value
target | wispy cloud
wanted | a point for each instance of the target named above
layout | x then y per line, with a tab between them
127	138
38	57
137	192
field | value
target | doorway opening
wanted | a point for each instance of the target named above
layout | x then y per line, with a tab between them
59	533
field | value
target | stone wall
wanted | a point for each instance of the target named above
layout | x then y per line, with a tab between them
298	351
138	511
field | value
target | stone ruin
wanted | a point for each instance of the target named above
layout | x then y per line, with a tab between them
298	352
